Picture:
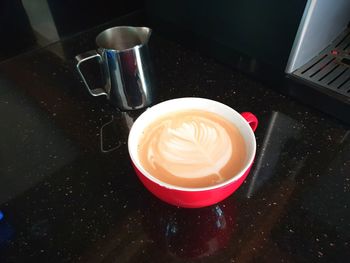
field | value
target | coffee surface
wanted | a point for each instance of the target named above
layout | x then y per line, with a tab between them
192	148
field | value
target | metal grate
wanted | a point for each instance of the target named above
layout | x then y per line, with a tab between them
331	68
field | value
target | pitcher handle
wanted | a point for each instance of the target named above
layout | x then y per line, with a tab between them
84	57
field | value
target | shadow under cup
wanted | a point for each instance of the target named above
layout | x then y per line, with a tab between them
246	123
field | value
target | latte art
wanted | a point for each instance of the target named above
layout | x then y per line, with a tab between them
192	148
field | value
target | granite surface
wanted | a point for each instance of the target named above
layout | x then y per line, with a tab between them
69	194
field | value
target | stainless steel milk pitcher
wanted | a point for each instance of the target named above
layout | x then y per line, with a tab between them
127	72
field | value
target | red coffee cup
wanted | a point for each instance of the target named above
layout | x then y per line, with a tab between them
198	196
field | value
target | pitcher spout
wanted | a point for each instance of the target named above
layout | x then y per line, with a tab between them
144	34
123	38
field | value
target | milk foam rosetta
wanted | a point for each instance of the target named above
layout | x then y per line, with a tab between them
191	148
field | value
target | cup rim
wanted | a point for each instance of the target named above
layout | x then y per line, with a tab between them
135	159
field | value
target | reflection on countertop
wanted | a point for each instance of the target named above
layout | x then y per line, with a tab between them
65	200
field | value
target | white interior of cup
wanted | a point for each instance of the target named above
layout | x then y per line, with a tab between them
180	104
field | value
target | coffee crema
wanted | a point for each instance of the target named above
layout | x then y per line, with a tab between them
192	148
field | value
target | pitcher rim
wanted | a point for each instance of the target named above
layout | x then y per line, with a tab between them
127	49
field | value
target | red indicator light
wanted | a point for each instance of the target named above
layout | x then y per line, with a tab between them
334	52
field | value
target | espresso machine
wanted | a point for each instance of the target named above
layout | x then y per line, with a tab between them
319	60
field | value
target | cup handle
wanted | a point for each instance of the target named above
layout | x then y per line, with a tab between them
251	119
80	59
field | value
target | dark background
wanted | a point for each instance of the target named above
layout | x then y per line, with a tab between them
19	33
223	29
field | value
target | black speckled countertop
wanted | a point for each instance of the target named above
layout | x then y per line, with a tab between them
64	200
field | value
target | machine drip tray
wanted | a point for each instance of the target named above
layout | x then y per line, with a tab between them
331	68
